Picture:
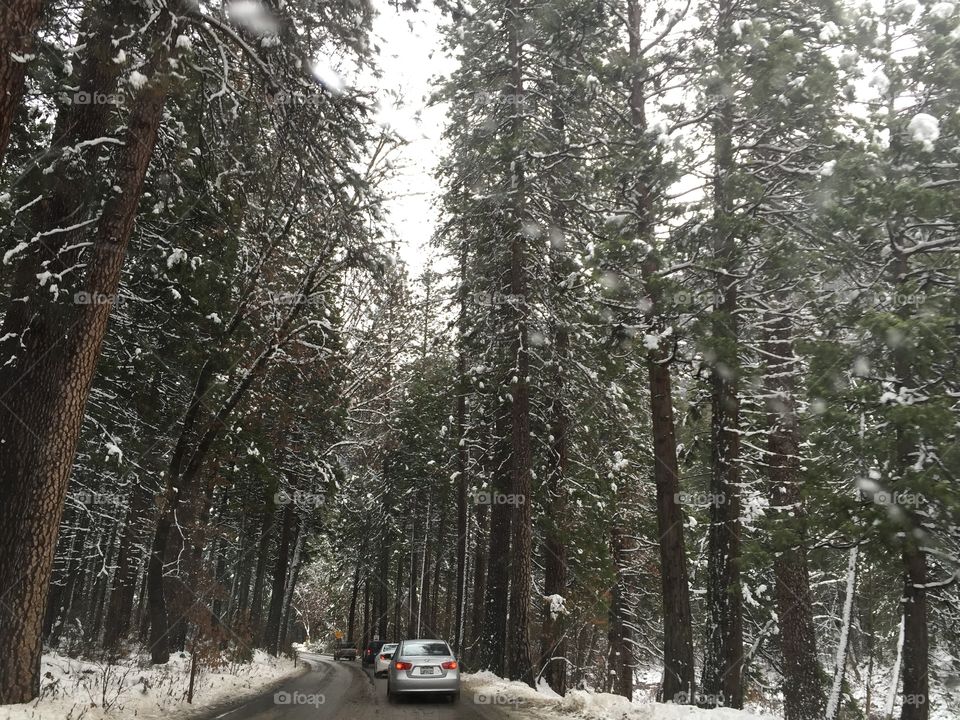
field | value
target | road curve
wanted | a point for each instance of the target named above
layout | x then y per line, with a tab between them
343	691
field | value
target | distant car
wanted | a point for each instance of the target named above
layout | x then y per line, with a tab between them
371	650
345	651
423	666
382	662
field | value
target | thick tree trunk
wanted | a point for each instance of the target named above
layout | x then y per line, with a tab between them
41	425
723	661
678	664
553	642
678	667
481	543
916	644
271	634
622	619
803	694
462	459
493	638
18	26
520	663
354	593
263	555
291	584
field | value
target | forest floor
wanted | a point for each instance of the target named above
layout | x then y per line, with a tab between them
71	689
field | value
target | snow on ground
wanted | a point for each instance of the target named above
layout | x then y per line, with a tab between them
516	700
72	688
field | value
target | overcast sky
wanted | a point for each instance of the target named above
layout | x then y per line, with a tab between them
410	59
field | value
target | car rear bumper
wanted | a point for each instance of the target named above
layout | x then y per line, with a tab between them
401	682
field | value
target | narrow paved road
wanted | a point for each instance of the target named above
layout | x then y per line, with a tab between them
343	691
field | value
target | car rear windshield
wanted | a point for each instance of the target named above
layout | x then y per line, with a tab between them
426	648
388	648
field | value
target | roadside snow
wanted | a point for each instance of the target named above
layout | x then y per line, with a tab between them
71	688
518	699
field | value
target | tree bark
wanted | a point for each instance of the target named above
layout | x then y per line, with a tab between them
18	26
493	639
41	425
723	661
263	554
803	694
462	458
622	619
520	664
678	663
271	634
553	643
481	542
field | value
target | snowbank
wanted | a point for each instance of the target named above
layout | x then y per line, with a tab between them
71	688
485	688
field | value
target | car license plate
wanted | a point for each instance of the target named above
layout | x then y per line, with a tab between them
427	670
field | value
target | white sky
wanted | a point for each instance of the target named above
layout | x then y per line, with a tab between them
410	59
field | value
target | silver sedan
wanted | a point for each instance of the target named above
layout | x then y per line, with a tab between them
423	666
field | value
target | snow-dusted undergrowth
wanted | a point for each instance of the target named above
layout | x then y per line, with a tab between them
71	689
520	700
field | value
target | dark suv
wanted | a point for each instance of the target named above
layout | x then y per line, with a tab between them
371	650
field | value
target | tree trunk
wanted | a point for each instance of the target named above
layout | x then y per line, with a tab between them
553	643
622	620
263	554
271	633
493	639
41	425
18	26
678	664
723	660
520	665
354	592
916	645
803	694
479	578
290	586
462	459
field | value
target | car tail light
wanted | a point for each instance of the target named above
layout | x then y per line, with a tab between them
450	665
400	665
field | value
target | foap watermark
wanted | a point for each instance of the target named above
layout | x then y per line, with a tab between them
704	499
486	99
96	298
299	499
299	698
88	497
495	498
482	698
686	697
903	498
295	98
82	97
